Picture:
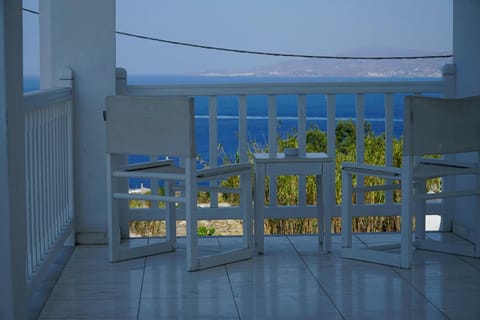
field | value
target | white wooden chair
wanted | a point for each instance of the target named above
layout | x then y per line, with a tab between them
432	126
165	126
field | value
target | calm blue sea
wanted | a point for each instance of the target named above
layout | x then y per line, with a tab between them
286	112
257	111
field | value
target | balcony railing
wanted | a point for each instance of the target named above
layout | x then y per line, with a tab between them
49	177
329	91
49	149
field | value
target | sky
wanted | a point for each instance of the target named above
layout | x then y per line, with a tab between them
311	27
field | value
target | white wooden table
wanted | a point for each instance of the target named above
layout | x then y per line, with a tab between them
281	165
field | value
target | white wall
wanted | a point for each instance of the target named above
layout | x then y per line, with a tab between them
13	298
466	48
80	35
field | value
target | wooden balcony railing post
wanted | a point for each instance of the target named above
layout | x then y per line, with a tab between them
272	145
213	144
360	127
389	141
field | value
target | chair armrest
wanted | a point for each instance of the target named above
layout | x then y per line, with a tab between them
148	165
448	163
433	168
225	170
373	170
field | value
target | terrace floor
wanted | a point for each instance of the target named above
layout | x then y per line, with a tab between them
292	280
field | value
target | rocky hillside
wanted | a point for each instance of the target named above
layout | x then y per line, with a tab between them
303	67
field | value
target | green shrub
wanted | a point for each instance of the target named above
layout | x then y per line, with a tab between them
205	231
287	186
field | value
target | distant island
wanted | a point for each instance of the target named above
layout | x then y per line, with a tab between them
300	67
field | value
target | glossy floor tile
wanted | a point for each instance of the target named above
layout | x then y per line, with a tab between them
293	279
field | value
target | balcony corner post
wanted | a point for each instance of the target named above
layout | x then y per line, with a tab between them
449	77
13	212
66	77
121	81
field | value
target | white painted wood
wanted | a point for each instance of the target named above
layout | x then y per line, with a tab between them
165	126
329	178
281	212
265	165
242	128
272	124
150	131
454	130
191	218
170	218
329	91
272	145
44	98
302	146
141	131
407	211
331	123
13	227
346	209
213	143
49	192
389	140
459	133
286	88
302	124
324	235
369	169
360	132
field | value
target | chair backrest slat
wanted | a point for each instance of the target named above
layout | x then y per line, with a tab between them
441	126
150	125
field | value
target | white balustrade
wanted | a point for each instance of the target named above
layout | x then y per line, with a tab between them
328	90
49	176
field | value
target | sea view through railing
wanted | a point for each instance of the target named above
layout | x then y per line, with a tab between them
286	108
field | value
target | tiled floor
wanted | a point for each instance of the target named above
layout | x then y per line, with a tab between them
292	280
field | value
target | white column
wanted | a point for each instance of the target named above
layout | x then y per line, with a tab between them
80	35
466	46
13	297
466	49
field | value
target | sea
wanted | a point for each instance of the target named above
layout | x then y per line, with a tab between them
257	118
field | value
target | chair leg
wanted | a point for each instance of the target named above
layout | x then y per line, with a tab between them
346	209
191	217
477	221
406	221
171	219
247	209
113	217
420	209
196	261
322	225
